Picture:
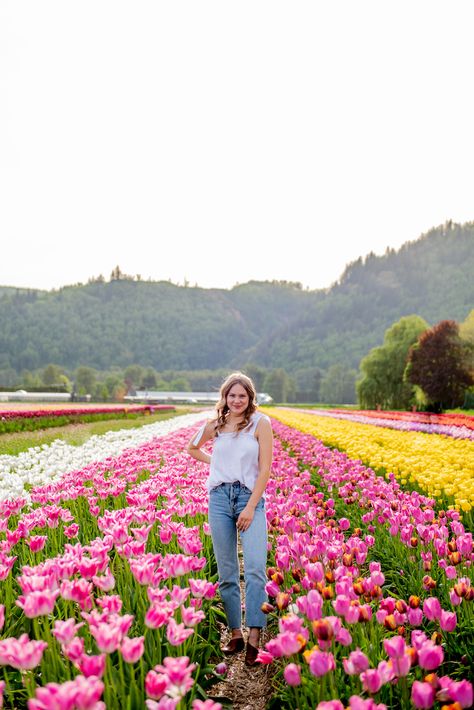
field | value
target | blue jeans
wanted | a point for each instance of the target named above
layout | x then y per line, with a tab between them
226	502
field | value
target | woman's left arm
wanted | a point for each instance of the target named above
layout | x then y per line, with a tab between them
264	436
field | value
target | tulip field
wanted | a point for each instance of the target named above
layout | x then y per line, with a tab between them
108	584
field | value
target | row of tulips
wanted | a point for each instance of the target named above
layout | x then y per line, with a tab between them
370	587
45	464
351	575
107	583
440	466
30	420
445	419
402	421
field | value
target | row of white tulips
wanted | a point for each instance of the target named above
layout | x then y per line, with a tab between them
44	464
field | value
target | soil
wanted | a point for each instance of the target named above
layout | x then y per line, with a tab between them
243	687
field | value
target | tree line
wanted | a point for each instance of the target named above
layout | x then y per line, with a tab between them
430	368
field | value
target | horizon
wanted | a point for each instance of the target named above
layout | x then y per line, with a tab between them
217	144
150	279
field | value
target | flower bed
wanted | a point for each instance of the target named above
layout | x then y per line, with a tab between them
447	425
371	587
107	584
30	420
44	464
442	467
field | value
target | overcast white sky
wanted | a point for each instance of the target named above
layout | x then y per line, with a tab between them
220	142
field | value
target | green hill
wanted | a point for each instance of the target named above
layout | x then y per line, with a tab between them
273	324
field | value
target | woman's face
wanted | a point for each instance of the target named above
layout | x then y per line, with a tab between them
237	399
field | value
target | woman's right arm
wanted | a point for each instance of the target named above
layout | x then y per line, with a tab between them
206	433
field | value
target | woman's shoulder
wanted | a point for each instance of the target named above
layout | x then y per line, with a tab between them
259	416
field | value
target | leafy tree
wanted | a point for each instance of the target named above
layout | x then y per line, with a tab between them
308	384
256	374
133	376
179	384
149	379
85	379
279	385
338	385
51	374
439	365
382	383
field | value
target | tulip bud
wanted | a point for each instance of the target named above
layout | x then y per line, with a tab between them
329	576
328	592
452	546
432	679
282	600
401	606
455	558
414	602
347	559
428	582
278	578
270	572
221	668
323	630
389	622
267	608
436	638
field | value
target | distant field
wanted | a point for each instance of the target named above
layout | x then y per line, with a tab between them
33	406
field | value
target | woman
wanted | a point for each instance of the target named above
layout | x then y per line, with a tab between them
240	468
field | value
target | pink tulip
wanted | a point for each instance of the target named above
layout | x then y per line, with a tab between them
415	616
447	620
221	669
292	674
321	663
21	653
2	688
177	633
105	582
37	603
206	705
356	662
158	616
461	692
74	649
358	703
92	665
64	631
422	694
155	684
37	542
178	673
2	616
371	680
432	608
330	705
132	649
430	656
395	647
190	617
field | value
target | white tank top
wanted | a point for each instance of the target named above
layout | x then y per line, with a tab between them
235	456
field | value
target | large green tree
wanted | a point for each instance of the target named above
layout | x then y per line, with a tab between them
383	384
440	365
338	385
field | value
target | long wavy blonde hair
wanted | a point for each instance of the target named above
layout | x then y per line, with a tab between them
236	378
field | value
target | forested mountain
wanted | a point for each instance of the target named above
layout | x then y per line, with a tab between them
432	277
273	324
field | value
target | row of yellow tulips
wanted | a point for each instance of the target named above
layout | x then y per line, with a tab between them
439	465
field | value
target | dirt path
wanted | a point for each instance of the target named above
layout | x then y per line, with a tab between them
243	688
